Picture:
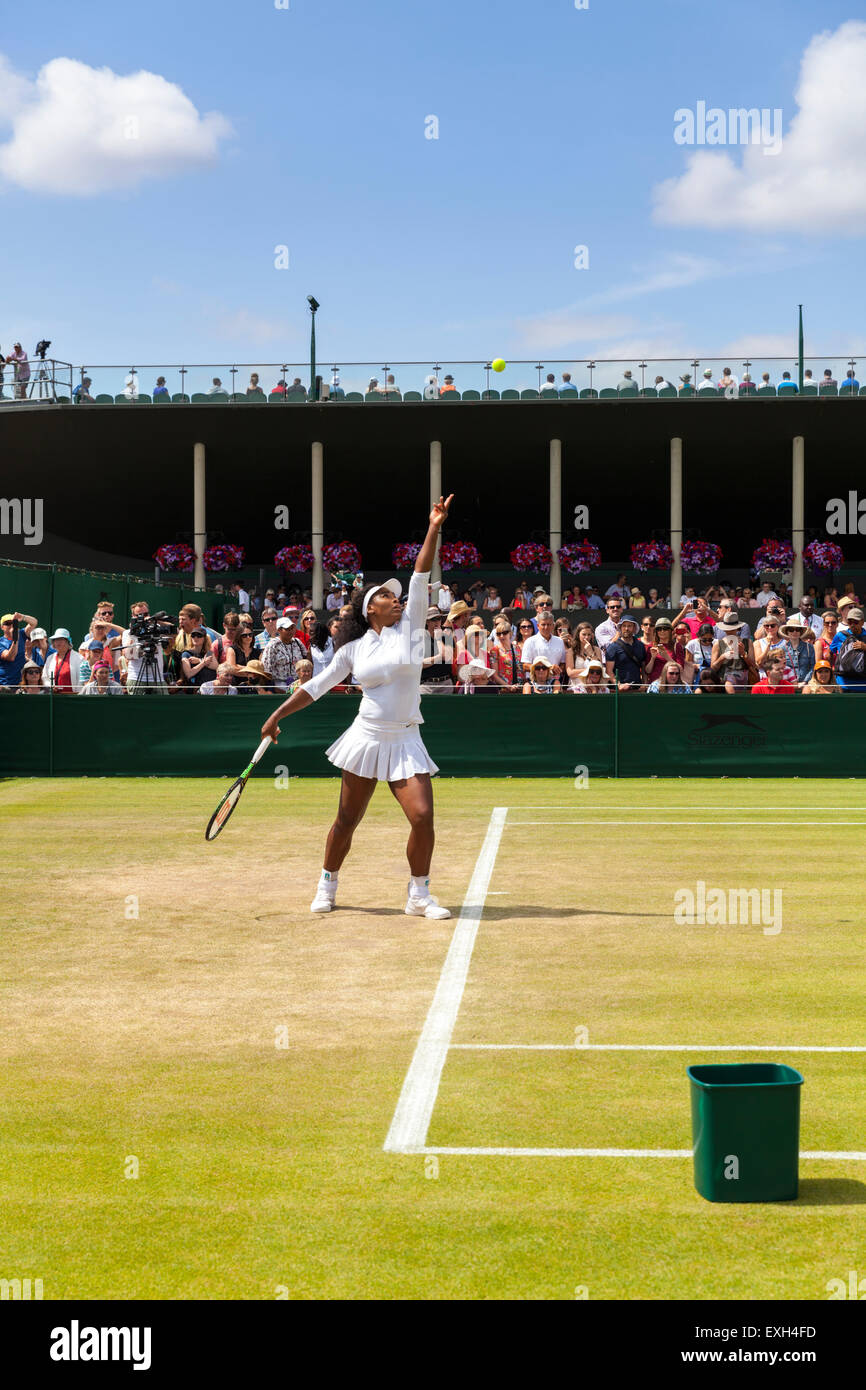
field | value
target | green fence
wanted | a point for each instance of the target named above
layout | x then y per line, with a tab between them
63	597
629	736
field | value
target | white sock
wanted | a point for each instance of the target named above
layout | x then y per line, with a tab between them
419	887
328	881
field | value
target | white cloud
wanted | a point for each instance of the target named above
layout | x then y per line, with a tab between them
241	325
564	327
816	183
80	130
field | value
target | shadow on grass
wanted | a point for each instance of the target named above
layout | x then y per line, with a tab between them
539	910
831	1192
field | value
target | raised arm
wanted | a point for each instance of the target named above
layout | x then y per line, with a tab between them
426	555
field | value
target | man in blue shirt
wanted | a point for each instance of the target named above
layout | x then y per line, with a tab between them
786	381
593	600
850	648
851	380
567	384
12	645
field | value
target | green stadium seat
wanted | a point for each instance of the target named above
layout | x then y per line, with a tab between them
863	390
566	395
828	390
104	400
472	395
238	398
589	393
451	396
550	393
686	391
510	396
277	398
628	391
847	390
490	395
810	389
144	399
257	397
667	393
712	392
787	388
62	400
122	400
529	395
218	397
162	400
199	398
649	392
180	398
354	396
373	398
608	393
412	396
766	390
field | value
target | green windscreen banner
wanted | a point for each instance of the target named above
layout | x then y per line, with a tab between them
495	736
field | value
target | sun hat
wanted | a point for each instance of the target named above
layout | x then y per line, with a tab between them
731	624
593	665
8	618
37	634
796	623
457	609
844	602
62	632
252	668
33	666
629	618
471	668
393	584
542	661
433	612
663	622
855	615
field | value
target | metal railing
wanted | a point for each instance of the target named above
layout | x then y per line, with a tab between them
391	381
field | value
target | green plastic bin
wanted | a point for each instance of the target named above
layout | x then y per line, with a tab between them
746	1131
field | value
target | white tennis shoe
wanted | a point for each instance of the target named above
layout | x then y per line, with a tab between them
324	901
425	907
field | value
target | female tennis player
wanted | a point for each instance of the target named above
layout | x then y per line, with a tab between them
383	647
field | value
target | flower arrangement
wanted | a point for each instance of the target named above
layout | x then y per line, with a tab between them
700	557
579	556
341	556
772	555
459	555
294	559
823	555
651	555
175	557
224	557
404	555
531	557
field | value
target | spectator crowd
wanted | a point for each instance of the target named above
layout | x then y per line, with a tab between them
472	644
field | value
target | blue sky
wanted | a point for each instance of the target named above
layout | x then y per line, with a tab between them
555	130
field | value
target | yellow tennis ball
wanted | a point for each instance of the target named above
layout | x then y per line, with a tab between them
498	365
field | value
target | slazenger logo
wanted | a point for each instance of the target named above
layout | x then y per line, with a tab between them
75	1343
712	735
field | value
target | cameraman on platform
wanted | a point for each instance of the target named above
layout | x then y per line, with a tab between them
142	645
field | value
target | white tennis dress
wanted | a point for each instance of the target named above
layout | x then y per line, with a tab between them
384	741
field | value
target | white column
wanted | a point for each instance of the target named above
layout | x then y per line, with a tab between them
676	519
798	515
555	527
435	494
199	525
318	527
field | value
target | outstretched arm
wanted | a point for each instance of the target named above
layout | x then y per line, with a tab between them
424	562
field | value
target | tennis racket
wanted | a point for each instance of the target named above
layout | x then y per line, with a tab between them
233	795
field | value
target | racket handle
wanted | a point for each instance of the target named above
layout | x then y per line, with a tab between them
261	750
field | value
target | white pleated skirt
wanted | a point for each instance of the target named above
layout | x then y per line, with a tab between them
388	752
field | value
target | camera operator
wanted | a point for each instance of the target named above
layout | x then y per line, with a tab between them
143	644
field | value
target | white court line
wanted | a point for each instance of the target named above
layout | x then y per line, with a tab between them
696	806
411	1119
849	1155
680	824
644	1047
